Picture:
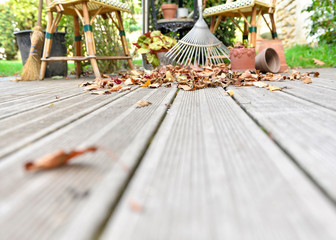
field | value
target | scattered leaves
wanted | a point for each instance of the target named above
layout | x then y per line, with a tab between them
143	103
146	84
115	88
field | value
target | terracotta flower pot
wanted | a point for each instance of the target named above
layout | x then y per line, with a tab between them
169	10
276	44
242	59
268	61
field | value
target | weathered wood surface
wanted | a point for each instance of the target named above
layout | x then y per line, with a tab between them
303	129
211	172
259	166
39	205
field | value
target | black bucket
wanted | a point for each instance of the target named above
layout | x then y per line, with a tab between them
58	49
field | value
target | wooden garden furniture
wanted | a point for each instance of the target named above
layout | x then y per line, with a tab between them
254	9
86	11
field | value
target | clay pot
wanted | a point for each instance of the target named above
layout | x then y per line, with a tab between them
268	61
169	10
242	59
276	44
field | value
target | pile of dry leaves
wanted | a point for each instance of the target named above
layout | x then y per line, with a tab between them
189	78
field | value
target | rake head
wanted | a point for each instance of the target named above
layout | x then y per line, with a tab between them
198	46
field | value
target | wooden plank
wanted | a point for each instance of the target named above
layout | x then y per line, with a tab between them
312	93
42	204
211	173
23	129
303	129
47	93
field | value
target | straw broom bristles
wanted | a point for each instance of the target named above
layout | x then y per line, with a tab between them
31	70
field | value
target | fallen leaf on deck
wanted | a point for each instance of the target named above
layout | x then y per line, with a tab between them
230	93
128	82
91	88
135	206
318	62
115	88
146	84
143	103
135	73
274	88
56	159
307	80
154	85
185	87
103	92
260	84
84	84
124	89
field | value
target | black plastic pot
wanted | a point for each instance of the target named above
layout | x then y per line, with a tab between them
59	68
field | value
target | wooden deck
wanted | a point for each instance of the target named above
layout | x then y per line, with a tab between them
200	165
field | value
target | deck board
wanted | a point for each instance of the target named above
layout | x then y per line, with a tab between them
55	195
211	172
304	129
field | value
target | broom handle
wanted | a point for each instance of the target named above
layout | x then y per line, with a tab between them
39	14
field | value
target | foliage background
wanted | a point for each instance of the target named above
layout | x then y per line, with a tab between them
323	17
18	15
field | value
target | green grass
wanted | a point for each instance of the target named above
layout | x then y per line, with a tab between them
10	68
302	56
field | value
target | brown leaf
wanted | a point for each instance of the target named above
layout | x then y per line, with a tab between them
154	85
115	88
185	87
143	103
91	88
84	84
124	89
307	80
136	207
274	88
56	159
318	62
102	92
260	84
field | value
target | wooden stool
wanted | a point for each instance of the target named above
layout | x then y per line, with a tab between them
84	10
243	9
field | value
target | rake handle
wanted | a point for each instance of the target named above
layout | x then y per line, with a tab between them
200	9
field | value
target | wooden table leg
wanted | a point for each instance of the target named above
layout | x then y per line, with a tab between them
123	39
253	28
89	40
274	32
78	46
245	33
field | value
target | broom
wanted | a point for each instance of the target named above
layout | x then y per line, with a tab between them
198	46
31	70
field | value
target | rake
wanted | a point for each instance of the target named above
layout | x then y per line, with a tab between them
198	46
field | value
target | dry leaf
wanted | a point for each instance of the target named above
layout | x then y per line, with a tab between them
154	85
135	206
318	62
135	73
115	88
260	84
56	159
124	89
185	87
84	84
230	93
146	84
274	88
128	82
102	92
91	88
307	80
143	103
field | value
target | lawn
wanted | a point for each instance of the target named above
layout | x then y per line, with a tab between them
302	56
14	67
